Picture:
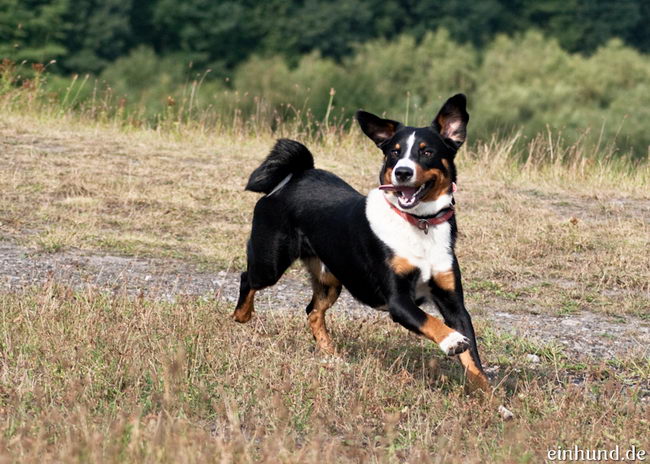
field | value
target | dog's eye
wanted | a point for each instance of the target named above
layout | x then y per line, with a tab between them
428	153
394	153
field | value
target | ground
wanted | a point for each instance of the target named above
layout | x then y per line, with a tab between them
580	335
119	258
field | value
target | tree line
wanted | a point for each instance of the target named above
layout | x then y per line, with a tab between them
88	35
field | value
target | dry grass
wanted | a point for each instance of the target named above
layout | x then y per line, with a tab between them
561	232
90	378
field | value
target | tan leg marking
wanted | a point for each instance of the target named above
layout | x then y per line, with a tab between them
327	278
445	280
317	319
326	289
244	312
476	379
401	266
450	341
434	329
320	273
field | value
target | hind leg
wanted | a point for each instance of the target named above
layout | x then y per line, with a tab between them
272	247
254	279
245	304
326	290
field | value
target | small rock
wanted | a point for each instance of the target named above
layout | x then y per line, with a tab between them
533	358
506	414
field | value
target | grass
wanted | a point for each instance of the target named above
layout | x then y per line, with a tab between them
532	229
88	377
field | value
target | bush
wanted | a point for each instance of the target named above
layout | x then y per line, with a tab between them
145	78
276	91
526	84
388	76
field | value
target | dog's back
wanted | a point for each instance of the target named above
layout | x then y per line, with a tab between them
311	214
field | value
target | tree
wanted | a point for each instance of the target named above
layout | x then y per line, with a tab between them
331	27
583	25
217	34
98	33
32	30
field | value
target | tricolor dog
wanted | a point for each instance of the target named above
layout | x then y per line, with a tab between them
393	249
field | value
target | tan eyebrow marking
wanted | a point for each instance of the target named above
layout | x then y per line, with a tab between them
422	144
397	146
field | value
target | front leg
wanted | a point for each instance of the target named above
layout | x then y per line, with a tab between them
447	293
403	310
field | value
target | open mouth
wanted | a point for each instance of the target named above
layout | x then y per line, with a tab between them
408	197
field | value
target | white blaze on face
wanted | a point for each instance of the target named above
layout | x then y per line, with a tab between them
406	161
409	144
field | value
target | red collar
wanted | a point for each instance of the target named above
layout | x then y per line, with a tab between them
422	223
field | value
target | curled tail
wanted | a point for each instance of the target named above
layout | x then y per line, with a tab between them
287	157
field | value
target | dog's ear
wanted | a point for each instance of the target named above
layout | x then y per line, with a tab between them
451	121
378	129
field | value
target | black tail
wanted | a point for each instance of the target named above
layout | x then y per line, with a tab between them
286	157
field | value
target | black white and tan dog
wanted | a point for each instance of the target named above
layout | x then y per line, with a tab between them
393	250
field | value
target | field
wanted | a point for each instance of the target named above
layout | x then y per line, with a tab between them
127	365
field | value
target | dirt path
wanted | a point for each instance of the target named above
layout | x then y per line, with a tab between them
582	335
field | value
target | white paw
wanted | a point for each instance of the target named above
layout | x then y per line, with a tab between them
454	343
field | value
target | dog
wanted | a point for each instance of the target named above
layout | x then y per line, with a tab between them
392	250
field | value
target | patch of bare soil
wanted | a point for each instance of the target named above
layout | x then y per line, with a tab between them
582	335
591	208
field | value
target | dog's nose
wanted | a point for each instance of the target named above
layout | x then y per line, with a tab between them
403	174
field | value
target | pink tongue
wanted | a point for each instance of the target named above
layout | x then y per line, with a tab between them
408	191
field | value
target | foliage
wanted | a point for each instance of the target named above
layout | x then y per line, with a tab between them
530	84
144	77
525	84
33	30
87	35
98	33
522	64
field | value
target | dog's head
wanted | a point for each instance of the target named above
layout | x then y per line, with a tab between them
418	169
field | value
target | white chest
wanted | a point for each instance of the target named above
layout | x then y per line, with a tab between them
431	253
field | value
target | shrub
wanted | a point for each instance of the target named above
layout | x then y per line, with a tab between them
525	84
